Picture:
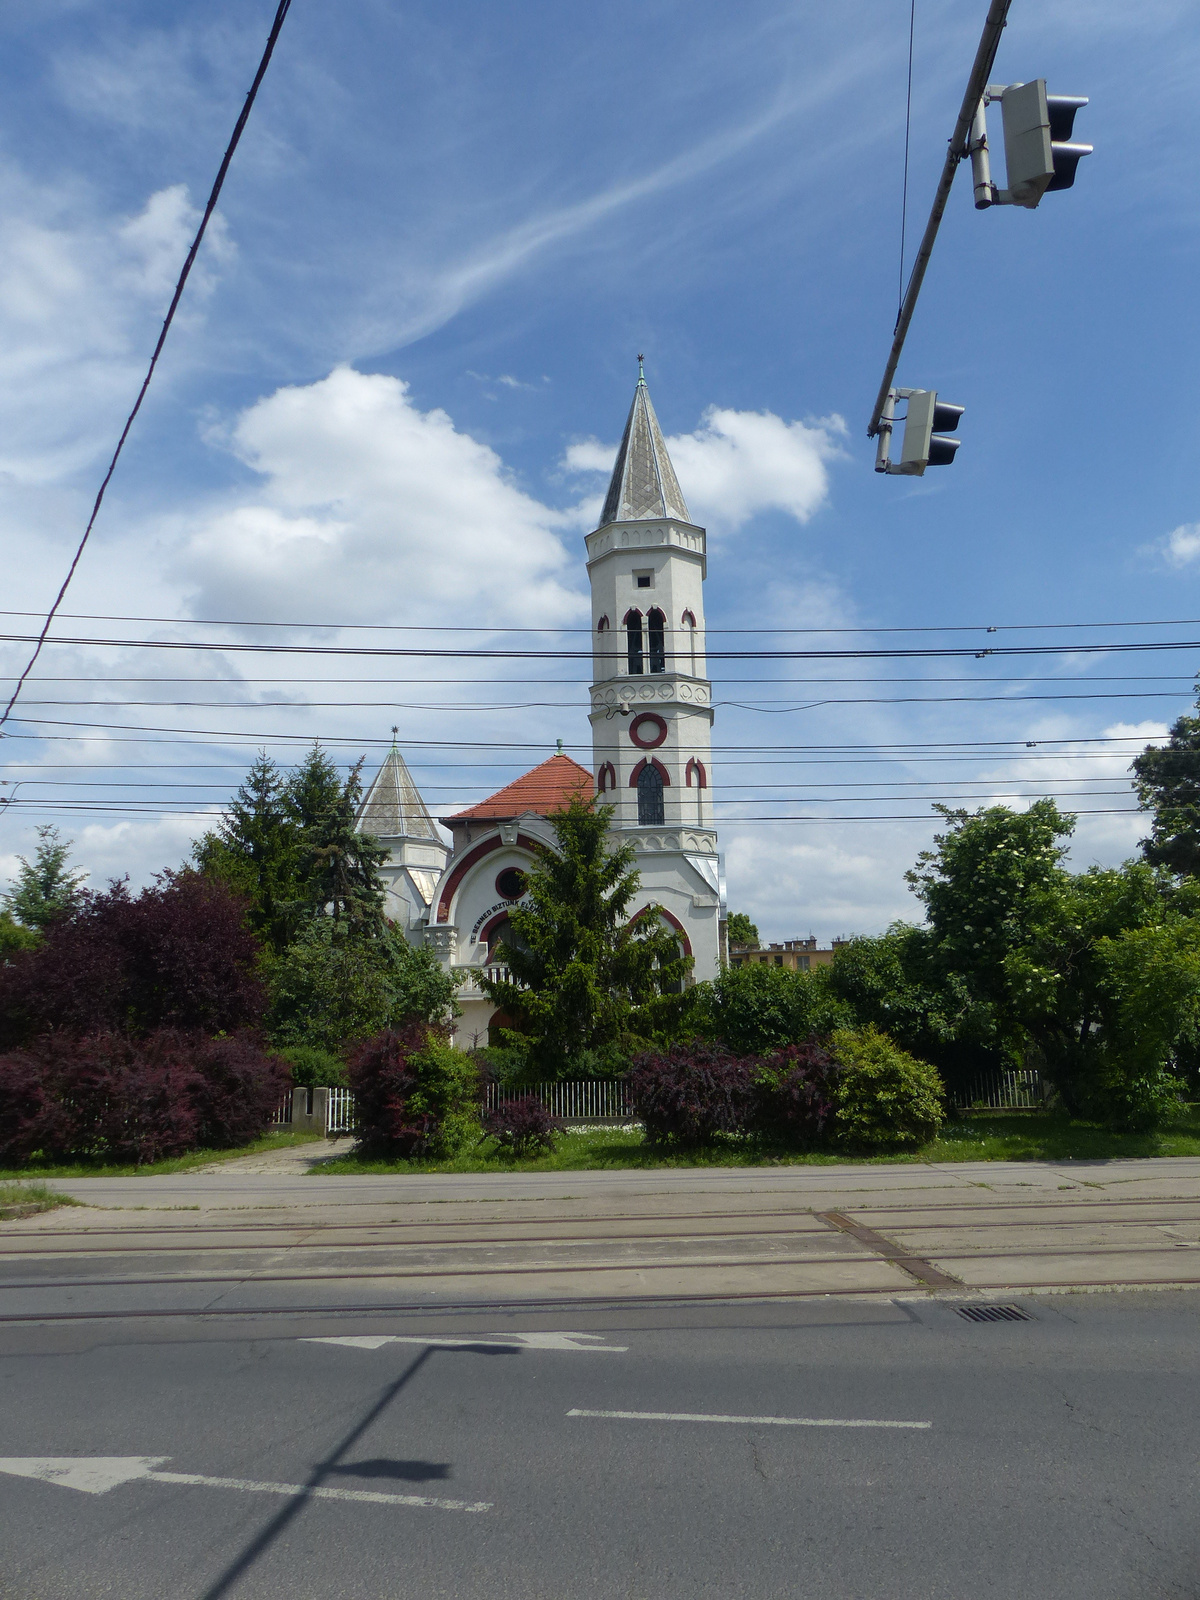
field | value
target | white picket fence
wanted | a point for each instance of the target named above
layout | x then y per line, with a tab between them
587	1099
1021	1089
302	1104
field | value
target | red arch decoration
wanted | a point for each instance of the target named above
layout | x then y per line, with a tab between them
687	618
649	761
606	778
602	625
701	776
632	615
483	848
667	917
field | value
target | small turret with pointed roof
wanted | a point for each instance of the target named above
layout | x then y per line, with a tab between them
393	807
643	484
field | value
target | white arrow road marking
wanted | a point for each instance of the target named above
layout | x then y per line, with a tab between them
503	1341
98	1474
774	1422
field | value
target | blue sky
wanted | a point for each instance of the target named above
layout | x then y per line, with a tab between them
448	231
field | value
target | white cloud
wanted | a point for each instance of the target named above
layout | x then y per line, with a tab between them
737	464
79	298
1181	547
374	510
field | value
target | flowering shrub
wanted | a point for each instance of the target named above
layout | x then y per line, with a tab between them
108	1096
692	1092
415	1096
522	1127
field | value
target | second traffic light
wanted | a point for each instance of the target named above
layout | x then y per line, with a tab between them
927	427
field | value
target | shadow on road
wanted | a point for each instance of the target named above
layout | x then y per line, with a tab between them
407	1471
333	1464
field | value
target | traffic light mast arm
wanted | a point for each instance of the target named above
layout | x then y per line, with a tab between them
984	57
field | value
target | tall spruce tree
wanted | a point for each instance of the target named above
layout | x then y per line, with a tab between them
256	850
46	890
583	974
340	866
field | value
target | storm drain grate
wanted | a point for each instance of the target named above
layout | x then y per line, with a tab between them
993	1314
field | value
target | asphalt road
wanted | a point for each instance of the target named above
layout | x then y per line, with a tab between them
247	1457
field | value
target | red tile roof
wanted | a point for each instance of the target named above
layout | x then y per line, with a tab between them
548	787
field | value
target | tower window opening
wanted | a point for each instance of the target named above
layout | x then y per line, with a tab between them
633	635
688	623
658	647
651	811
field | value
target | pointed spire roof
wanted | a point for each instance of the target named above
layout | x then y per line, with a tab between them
644	485
393	807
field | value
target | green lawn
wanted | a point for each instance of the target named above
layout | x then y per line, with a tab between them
197	1158
989	1136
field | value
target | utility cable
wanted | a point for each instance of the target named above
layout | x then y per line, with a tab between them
189	261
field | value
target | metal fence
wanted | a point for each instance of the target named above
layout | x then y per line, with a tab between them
601	1099
1022	1089
339	1112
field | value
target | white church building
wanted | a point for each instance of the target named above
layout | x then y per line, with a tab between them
651	716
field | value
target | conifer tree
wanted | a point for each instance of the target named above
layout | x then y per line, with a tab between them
340	870
583	973
46	889
256	850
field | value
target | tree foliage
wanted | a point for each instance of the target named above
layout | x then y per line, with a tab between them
1091	975
756	1009
1167	779
740	930
584	973
47	890
333	986
177	955
288	843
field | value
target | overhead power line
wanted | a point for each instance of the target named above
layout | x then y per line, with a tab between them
189	261
439	627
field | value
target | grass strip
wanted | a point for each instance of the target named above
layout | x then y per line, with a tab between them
989	1136
25	1199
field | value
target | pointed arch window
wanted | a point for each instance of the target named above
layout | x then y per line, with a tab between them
650	778
651	808
695	770
633	639
657	630
688	624
606	778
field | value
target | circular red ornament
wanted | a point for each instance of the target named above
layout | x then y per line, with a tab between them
647	731
510	884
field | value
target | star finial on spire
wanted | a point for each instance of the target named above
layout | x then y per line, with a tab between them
641	368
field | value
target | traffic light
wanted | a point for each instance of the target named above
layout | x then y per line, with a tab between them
926	429
925	442
1038	150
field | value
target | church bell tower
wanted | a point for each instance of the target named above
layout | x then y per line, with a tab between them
651	699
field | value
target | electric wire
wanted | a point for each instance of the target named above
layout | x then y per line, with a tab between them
239	126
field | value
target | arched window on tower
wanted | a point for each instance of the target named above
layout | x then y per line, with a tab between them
633	635
651	811
696	776
658	642
688	624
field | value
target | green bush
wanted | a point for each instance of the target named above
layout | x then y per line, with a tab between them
415	1095
886	1099
313	1067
